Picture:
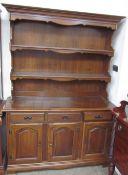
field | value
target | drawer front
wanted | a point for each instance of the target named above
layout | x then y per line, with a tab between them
64	117
97	116
26	117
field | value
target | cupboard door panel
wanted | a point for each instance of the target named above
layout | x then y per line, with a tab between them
97	137
63	141
27	143
59	139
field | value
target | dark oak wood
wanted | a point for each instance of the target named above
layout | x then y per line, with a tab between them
59	109
65	117
25	137
57	36
97	116
64	141
49	64
61	49
40	14
24	118
120	149
87	103
49	88
25	143
94	133
59	76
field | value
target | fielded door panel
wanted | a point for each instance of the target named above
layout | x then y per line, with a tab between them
96	142
64	141
25	143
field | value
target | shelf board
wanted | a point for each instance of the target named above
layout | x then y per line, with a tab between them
59	76
27	103
62	49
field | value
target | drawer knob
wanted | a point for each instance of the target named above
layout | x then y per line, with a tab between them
120	127
39	144
98	116
27	117
65	117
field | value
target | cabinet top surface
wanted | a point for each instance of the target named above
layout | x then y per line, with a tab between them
57	104
61	13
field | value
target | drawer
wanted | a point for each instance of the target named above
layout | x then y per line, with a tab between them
97	116
26	117
64	117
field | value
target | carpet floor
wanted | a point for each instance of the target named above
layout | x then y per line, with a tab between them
93	170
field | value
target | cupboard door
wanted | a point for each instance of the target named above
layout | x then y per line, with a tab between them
64	141
96	142
25	143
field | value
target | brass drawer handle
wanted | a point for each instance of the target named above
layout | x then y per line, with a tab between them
98	116
65	117
28	118
120	128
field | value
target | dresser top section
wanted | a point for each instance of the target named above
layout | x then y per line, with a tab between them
76	18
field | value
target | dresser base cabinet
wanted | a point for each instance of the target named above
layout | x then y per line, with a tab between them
56	140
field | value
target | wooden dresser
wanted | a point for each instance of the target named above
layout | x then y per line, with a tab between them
120	146
58	115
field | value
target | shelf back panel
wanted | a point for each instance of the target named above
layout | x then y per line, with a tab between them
32	33
50	88
39	61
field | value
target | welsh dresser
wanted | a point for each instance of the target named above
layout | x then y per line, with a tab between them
58	115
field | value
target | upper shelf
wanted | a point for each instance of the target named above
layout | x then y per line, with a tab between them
62	17
60	76
61	49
